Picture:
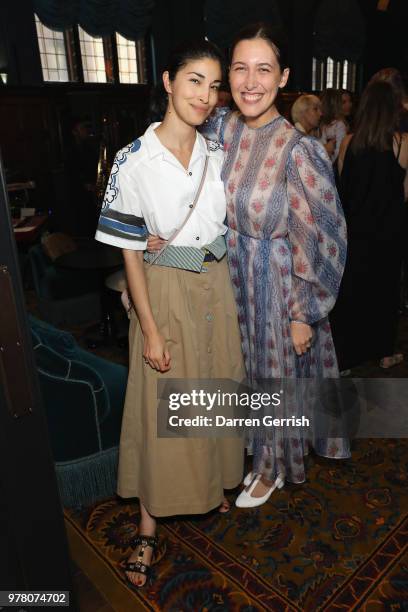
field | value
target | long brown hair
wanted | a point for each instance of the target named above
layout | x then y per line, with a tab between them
394	78
376	119
331	106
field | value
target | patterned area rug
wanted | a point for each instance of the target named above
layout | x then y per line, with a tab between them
339	542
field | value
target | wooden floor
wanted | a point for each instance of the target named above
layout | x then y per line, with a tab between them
88	597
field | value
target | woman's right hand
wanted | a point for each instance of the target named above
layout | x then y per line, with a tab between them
155	243
302	336
155	352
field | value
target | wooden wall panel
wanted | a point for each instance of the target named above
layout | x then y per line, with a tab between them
35	132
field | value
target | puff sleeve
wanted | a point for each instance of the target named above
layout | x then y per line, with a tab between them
121	220
214	127
316	231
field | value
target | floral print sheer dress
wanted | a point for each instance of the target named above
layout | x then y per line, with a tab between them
286	251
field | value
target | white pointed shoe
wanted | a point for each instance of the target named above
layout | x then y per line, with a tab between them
245	499
248	479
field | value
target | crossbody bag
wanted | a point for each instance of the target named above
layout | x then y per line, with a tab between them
190	212
125	297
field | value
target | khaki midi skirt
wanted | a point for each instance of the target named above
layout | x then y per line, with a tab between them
196	314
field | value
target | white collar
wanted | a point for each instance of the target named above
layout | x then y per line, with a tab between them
155	147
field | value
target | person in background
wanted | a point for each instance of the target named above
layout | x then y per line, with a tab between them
399	87
396	81
373	164
333	126
306	114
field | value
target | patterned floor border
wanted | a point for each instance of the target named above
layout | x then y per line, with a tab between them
350	596
355	590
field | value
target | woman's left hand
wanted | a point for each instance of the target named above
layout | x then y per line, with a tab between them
302	335
155	243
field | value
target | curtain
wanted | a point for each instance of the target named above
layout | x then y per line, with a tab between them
131	18
224	18
339	31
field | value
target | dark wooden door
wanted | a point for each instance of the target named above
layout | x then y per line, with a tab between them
33	545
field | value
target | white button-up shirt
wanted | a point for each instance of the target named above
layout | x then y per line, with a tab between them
149	191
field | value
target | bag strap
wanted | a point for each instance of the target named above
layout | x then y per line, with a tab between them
190	212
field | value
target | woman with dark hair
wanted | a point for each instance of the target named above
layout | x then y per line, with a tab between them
373	166
333	127
183	323
286	247
399	87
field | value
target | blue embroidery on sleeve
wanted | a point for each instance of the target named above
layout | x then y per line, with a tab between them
112	189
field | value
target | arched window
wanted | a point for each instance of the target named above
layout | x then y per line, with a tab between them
75	55
93	56
330	73
53	51
130	60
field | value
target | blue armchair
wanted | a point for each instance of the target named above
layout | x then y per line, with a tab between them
83	396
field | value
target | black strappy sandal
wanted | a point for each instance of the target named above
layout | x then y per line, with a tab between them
138	566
